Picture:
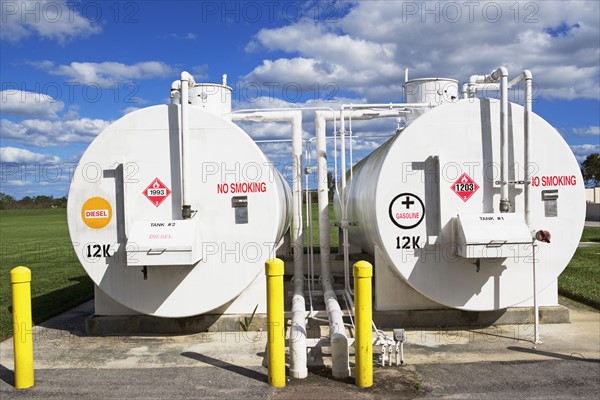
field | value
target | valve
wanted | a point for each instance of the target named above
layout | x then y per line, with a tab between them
543	236
399	338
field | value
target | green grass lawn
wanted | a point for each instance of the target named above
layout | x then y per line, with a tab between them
591	234
39	240
333	230
581	279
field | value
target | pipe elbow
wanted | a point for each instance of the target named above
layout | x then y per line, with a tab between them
501	72
527	74
187	77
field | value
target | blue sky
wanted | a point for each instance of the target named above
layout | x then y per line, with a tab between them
68	69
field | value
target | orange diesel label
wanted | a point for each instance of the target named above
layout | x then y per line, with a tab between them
96	212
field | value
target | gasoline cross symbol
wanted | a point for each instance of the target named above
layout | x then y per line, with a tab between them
408	202
407	210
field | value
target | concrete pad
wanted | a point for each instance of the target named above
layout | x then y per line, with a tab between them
232	364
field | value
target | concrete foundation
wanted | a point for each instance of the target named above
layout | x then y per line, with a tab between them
124	325
401	307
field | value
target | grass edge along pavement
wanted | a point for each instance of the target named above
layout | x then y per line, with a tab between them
39	240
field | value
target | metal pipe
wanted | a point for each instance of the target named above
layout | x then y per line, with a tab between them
384	106
343	153
339	343
536	311
528	76
504	200
308	219
297	341
470	89
187	81
405	80
298	359
337	331
500	74
176	92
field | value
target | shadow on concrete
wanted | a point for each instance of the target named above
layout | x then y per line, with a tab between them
265	362
249	373
554	355
500	334
46	307
327	373
7	375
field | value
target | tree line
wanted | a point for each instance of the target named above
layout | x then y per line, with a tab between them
8	202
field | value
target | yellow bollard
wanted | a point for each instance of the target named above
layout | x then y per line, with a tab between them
20	278
275	322
363	317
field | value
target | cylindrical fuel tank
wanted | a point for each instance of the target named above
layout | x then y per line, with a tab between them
125	217
428	201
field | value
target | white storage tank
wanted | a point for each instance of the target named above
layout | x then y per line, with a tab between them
431	90
426	205
125	209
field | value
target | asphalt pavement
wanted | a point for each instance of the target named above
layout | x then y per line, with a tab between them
492	363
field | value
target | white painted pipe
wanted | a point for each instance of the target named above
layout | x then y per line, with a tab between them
187	81
470	89
528	76
500	74
343	153
337	332
379	106
344	222
536	310
338	338
405	80
298	360
504	200
176	92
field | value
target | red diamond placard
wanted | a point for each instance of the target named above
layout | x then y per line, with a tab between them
156	192
464	187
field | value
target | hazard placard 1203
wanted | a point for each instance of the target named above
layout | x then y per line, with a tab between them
464	187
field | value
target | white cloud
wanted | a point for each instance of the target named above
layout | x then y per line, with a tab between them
17	155
15	183
280	152
367	50
28	104
199	72
367	145
587	131
581	151
52	20
176	36
44	133
107	73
